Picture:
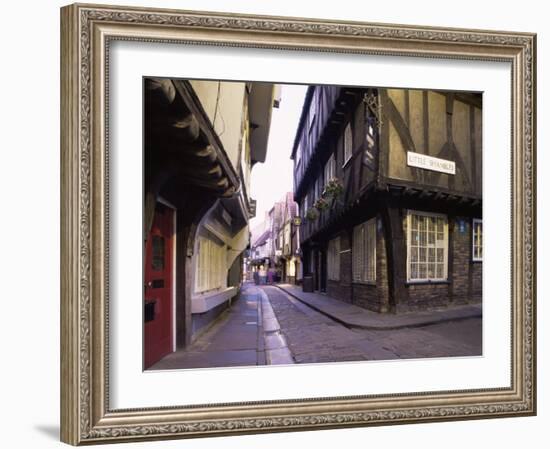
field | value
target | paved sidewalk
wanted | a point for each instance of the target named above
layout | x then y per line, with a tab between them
357	317
235	339
246	334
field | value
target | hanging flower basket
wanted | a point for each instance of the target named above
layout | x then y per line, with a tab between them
333	188
321	204
312	214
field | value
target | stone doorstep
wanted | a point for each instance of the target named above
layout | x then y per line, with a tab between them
356	317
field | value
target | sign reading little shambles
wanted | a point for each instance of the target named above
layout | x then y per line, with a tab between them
430	163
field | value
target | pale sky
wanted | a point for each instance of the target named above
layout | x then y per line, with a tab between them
272	179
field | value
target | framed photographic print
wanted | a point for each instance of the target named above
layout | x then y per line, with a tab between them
282	224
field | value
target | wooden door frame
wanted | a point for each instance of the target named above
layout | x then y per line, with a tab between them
173	286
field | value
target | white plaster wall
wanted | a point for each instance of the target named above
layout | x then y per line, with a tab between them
223	103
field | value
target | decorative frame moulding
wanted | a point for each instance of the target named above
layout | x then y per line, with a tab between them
87	31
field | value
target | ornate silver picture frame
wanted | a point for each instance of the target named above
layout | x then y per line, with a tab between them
87	33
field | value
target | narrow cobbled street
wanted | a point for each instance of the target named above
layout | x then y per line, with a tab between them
268	326
313	337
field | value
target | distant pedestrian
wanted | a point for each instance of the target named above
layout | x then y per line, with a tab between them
256	277
263	275
270	276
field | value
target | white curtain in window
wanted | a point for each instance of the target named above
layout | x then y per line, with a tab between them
210	267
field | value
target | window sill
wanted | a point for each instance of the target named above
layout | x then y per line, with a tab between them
371	283
428	282
477	260
203	302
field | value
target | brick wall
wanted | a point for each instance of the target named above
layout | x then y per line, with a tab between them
290	279
342	289
375	296
466	276
366	296
336	290
476	282
462	260
425	296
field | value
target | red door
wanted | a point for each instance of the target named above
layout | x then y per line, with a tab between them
158	271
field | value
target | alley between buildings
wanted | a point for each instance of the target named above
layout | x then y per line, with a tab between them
268	326
366	245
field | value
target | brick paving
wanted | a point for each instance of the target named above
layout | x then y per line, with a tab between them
266	325
453	339
357	317
313	337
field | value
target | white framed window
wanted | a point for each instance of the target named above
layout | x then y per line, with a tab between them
477	239
312	112
364	252
427	246
333	259
370	135
210	270
317	187
227	217
330	169
348	143
299	153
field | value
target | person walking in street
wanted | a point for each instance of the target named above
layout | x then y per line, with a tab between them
263	275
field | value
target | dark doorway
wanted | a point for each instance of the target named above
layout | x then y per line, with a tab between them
158	288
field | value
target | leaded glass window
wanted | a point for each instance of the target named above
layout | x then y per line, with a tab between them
477	239
427	247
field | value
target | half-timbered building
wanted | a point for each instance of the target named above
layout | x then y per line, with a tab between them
290	249
389	183
274	243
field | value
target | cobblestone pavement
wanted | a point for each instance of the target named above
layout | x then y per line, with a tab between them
312	337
